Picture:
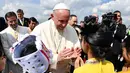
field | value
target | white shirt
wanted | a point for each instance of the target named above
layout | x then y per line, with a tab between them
56	40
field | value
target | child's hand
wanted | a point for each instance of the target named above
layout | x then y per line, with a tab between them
78	62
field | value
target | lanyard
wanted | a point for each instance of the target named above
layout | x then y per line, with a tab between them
22	21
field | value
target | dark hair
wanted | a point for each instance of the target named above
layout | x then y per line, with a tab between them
20	11
33	19
126	43
117	11
72	15
10	14
100	42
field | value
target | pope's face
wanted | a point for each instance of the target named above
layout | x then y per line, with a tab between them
60	18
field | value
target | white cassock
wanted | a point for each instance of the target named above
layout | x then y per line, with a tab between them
8	37
56	41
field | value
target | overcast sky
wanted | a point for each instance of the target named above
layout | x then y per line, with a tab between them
41	9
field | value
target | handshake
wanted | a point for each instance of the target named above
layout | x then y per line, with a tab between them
71	54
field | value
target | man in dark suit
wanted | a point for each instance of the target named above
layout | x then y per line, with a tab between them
116	52
3	25
22	21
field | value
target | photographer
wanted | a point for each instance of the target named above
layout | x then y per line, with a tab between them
95	15
119	34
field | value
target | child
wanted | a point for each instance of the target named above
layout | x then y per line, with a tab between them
96	46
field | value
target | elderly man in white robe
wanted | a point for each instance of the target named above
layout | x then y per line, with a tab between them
10	35
60	38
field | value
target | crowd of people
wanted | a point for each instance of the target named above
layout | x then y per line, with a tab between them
60	45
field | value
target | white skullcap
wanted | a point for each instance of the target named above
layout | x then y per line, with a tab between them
61	6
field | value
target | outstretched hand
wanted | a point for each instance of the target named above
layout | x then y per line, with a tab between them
68	53
65	54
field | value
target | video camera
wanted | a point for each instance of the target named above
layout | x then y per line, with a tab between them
109	19
90	20
90	25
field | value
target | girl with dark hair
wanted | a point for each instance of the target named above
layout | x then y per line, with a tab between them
126	55
96	46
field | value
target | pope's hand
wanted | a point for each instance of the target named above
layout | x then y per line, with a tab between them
65	54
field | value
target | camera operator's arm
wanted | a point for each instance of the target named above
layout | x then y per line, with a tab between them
121	31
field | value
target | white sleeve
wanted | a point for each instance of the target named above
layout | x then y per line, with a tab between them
36	31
